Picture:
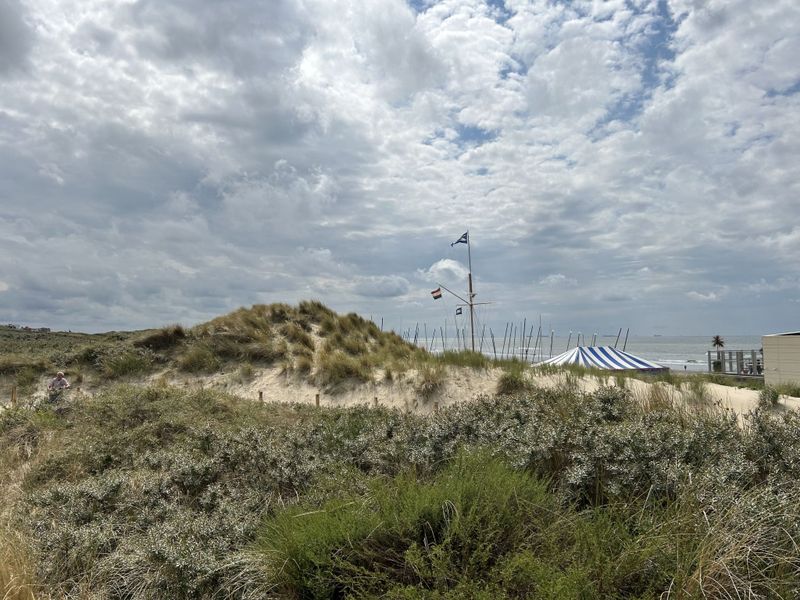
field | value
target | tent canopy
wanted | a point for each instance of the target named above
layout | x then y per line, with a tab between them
603	357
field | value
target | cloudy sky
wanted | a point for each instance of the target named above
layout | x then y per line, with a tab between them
629	163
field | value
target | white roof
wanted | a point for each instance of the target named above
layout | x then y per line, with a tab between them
604	357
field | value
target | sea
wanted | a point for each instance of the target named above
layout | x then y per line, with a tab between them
679	353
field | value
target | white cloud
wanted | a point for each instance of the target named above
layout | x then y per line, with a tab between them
558	280
162	161
706	297
446	270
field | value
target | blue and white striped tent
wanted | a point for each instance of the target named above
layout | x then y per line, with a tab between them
603	357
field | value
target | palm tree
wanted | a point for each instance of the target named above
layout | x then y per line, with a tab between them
718	343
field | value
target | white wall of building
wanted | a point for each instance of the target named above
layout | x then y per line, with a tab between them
781	358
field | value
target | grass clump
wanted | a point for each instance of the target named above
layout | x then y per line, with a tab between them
464	358
17	573
197	359
26	379
789	389
431	378
768	398
295	334
514	379
405	531
314	311
162	339
337	368
123	362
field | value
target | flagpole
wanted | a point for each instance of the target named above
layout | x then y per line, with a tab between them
471	295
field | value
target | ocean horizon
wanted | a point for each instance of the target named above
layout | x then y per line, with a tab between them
687	353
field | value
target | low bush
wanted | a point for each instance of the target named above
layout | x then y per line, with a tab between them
513	380
464	358
430	379
162	339
26	378
245	372
144	493
789	389
336	368
314	311
405	531
16	571
122	362
768	397
295	334
304	364
198	358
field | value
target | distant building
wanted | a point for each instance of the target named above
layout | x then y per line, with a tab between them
781	358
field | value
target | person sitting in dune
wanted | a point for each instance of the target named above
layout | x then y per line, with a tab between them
57	385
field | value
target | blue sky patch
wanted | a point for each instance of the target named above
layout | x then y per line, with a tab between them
469	134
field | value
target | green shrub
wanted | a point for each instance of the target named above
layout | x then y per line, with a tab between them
464	358
26	378
295	334
263	351
122	362
280	312
161	492
314	311
789	389
513	380
768	397
353	345
162	339
304	364
696	393
431	378
198	358
246	372
614	403
336	368
405	530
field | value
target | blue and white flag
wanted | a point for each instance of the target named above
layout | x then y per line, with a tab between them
458	310
464	239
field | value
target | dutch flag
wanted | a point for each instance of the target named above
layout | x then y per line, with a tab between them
437	293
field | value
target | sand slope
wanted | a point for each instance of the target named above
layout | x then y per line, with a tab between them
459	385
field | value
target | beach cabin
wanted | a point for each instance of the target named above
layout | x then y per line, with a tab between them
781	358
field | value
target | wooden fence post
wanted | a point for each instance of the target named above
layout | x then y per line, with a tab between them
13	396
435	407
317	400
260	396
376	402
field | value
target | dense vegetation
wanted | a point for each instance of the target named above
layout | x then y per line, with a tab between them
308	341
164	493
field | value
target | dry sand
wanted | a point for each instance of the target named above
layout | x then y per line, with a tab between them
460	385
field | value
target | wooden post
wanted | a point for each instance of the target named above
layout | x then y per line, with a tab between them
317	400
376	401
435	407
13	396
260	396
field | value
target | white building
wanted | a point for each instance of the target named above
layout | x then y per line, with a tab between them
781	358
